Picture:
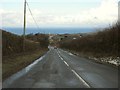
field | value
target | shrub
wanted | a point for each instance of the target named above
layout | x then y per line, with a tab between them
103	43
13	44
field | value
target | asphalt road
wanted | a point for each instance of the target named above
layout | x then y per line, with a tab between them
61	69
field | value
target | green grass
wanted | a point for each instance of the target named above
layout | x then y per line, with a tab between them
13	64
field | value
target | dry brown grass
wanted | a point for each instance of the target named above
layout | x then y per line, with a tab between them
12	64
103	43
14	59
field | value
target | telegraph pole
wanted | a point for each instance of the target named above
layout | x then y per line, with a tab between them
24	26
119	12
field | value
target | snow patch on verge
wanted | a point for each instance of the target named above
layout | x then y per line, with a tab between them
22	72
110	60
33	64
71	54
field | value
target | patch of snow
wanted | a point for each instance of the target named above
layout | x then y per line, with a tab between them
70	54
111	60
22	72
35	62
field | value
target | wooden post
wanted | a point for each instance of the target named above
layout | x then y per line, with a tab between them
119	12
24	26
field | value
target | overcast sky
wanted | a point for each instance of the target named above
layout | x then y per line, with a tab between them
60	13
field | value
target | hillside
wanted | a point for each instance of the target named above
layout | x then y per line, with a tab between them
103	44
13	44
13	55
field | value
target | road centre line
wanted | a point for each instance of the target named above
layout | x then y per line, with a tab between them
60	57
66	63
80	78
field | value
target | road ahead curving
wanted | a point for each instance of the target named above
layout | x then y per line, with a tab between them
61	69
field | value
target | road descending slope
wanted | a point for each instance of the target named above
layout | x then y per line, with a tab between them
61	69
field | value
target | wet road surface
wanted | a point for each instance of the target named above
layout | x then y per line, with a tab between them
61	69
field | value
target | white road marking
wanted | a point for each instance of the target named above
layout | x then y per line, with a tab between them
34	63
66	63
58	51
22	72
81	78
60	57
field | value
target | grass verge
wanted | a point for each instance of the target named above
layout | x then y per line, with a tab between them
100	60
12	64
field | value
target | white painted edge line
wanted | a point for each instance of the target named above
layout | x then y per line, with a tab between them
34	63
81	78
20	73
